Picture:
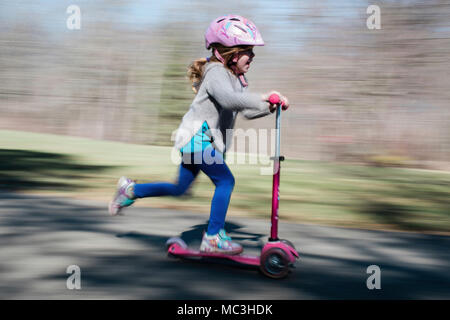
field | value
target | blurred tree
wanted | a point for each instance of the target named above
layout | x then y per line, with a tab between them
176	93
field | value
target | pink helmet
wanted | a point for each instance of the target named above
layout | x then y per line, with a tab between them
232	30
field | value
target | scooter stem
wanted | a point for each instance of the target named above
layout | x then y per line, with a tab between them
276	180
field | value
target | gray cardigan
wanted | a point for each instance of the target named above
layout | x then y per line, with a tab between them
219	99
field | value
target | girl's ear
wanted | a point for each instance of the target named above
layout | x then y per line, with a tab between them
235	58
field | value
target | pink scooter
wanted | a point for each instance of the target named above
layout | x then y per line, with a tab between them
277	256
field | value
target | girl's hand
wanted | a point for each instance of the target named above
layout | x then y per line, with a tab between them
273	107
285	104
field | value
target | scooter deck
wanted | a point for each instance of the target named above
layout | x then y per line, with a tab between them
176	250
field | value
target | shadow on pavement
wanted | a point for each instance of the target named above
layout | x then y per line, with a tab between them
31	170
126	258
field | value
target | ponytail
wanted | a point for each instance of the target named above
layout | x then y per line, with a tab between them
195	72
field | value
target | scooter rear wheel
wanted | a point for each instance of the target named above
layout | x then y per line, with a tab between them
173	242
275	263
176	240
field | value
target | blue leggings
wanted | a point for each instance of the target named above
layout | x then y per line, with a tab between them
218	172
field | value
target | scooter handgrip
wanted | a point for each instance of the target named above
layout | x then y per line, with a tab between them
274	98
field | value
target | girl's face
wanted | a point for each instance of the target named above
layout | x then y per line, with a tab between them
243	60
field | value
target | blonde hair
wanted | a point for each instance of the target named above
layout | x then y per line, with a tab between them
196	68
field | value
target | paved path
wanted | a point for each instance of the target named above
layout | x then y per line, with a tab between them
124	257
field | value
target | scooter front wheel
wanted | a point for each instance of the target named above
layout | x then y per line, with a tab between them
290	244
275	263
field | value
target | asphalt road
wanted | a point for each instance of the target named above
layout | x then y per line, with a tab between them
124	257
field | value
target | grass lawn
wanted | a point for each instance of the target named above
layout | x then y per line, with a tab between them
311	191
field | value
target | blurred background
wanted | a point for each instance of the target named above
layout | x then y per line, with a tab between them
365	104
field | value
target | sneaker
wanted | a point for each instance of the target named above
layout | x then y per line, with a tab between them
219	243
124	196
223	235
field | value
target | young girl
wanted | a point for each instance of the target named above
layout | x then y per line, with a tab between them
220	87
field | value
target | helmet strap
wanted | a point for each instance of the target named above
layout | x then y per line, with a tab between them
242	79
218	56
233	67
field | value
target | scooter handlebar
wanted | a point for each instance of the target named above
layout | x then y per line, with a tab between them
275	99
